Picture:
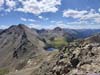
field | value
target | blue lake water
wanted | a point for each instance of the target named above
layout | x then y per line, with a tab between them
51	49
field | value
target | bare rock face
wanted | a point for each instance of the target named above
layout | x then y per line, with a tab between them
1	30
76	59
18	43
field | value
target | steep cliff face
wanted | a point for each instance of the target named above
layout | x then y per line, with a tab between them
18	44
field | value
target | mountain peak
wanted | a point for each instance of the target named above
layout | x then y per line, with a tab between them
20	42
22	26
58	29
18	28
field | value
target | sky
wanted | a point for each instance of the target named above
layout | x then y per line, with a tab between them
48	14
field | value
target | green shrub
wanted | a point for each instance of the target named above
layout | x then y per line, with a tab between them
59	42
4	71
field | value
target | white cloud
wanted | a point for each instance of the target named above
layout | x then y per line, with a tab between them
38	7
52	21
23	19
27	19
31	6
70	25
31	20
10	3
4	26
74	13
40	17
43	18
37	26
99	9
74	25
78	23
83	15
1	2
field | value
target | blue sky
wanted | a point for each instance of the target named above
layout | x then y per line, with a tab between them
76	14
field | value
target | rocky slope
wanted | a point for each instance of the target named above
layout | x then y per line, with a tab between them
77	58
17	45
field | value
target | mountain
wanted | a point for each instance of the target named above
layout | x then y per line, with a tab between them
56	32
18	43
59	37
84	33
69	33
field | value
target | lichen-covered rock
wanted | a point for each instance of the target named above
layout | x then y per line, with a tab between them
76	60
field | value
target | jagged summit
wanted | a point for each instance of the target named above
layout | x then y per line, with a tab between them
18	41
15	28
58	29
20	26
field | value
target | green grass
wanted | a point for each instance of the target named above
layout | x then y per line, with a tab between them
59	42
4	71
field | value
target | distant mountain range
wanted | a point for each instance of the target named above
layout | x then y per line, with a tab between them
71	33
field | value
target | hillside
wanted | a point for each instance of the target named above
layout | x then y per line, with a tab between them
17	45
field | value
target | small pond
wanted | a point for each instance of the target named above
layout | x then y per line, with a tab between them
51	49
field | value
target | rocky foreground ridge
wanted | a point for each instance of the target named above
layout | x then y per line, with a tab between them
78	58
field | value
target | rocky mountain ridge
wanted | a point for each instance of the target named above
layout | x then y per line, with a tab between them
65	32
18	42
22	52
